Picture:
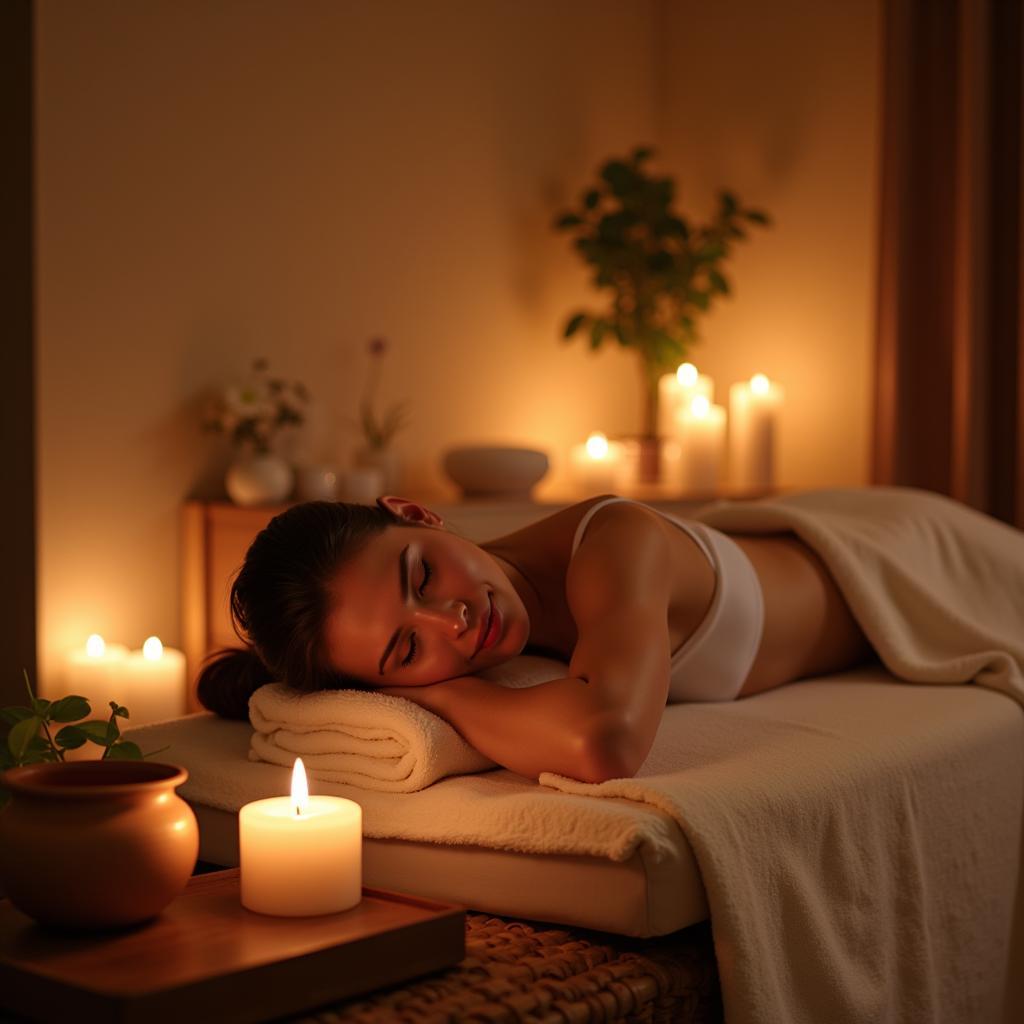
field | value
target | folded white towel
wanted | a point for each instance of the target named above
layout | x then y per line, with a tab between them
373	740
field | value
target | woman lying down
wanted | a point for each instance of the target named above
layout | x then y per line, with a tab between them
645	608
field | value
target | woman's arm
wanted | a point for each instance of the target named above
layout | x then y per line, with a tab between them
558	726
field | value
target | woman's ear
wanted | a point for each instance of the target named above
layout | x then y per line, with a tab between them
409	510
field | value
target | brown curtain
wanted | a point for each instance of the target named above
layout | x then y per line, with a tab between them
949	388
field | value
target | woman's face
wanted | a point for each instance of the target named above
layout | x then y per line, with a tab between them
412	607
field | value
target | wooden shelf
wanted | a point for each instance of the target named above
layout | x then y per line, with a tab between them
208	958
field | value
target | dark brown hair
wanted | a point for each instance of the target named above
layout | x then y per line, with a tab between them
279	602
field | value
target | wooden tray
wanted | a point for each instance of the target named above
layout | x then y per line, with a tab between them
208	957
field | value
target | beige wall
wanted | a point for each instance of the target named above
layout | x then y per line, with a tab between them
780	102
229	179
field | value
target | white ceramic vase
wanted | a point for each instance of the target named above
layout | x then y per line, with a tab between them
259	480
387	460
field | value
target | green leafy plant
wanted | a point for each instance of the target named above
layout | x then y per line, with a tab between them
662	272
23	744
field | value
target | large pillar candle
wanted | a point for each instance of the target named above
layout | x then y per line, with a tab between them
95	672
300	855
753	424
153	683
702	445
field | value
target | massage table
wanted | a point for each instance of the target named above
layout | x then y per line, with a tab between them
855	840
642	876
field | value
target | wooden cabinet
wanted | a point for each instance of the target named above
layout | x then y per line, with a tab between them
216	536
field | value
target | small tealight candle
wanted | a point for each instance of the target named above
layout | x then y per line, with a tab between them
598	465
675	393
300	855
153	683
702	443
753	422
95	672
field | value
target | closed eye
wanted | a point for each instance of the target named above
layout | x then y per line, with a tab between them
427	573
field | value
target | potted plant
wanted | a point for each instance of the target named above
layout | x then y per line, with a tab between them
660	272
115	817
252	413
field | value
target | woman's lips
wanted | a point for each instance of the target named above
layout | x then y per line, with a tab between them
490	628
493	633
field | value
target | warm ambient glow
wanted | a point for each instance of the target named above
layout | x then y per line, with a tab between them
700	406
300	788
95	646
152	649
597	445
759	384
687	374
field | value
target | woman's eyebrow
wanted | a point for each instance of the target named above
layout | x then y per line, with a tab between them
403	584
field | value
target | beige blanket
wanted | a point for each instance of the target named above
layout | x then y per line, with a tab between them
851	879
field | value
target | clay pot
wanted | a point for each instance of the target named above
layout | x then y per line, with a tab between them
95	844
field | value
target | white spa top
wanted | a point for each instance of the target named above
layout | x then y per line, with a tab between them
714	662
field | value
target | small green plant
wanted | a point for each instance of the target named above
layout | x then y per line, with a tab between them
24	745
662	271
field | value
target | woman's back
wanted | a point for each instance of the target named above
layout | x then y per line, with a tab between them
807	627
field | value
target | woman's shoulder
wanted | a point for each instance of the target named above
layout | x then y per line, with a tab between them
554	539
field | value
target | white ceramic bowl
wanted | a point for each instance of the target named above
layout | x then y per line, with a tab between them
495	473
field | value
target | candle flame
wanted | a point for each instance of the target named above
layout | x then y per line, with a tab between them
687	374
760	384
95	646
300	790
597	445
700	406
152	649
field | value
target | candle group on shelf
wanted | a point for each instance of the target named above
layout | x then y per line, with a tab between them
300	855
700	444
149	682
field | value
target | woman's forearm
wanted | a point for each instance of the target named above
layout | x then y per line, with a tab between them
558	726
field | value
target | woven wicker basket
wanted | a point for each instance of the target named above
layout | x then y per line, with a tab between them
519	971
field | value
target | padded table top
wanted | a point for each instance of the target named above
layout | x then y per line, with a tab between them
654	890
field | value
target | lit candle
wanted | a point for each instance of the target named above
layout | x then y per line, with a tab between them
702	444
300	855
598	465
753	423
95	672
676	391
153	683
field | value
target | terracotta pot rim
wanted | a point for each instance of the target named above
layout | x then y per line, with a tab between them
40	780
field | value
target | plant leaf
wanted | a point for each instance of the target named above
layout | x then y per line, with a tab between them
70	737
21	735
96	730
70	709
40	706
14	715
125	751
574	324
718	282
592	198
119	711
568	220
757	216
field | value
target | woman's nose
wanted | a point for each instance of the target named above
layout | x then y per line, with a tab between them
452	616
